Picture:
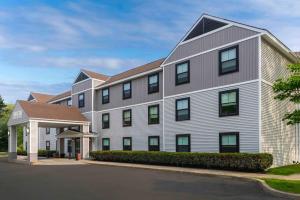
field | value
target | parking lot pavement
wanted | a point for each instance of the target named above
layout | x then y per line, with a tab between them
107	182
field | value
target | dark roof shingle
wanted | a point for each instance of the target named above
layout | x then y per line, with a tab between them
60	96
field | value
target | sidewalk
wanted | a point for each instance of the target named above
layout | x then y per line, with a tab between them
196	171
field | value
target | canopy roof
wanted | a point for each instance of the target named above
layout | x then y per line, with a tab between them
74	134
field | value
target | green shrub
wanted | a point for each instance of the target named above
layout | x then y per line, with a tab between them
225	161
21	152
46	153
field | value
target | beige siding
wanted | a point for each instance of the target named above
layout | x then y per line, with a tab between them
276	137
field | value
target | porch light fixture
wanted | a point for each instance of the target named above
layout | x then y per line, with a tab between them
27	130
8	133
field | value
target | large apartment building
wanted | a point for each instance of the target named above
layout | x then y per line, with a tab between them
212	93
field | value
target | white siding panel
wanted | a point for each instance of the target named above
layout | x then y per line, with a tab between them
205	124
139	131
278	138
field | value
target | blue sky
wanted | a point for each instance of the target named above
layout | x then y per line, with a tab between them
44	44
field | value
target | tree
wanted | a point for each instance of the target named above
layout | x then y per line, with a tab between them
289	89
2	107
4	128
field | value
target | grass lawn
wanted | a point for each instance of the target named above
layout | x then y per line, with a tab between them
285	170
3	154
284	185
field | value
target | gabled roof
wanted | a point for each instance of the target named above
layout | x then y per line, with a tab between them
264	32
39	97
95	75
135	71
47	111
60	96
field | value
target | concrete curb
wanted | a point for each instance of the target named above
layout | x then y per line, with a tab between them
261	182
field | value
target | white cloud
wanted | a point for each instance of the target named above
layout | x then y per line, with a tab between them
90	62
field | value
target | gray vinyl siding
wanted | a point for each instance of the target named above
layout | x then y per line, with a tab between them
204	70
24	118
87	101
139	131
63	102
211	41
43	137
277	138
139	94
205	123
80	86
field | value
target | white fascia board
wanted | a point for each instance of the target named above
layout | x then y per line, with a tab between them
129	78
58	121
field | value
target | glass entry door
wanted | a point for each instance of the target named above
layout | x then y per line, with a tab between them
77	145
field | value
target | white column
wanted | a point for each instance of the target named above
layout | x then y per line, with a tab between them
84	147
33	141
85	128
12	143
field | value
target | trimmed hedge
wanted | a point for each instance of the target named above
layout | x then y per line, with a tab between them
41	153
225	161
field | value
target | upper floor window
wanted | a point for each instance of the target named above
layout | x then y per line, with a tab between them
153	83
105	95
105	120
127	90
127	117
229	60
47	131
153	114
229	142
183	109
81	100
229	103
182	73
69	102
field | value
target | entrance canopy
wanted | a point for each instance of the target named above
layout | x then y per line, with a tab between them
74	134
32	115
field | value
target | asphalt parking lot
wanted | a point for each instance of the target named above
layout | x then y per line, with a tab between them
74	182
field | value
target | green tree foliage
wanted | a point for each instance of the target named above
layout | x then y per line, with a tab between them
2	107
289	89
3	127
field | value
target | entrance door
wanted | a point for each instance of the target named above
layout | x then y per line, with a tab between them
77	145
70	147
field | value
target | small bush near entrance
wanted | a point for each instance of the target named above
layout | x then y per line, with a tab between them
41	153
226	161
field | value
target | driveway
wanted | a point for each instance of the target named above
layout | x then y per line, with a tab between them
74	182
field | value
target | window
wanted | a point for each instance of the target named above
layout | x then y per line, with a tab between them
105	120
183	143
153	143
229	142
127	143
127	117
182	73
229	60
229	103
153	83
47	131
105	144
182	109
127	90
48	145
69	102
105	96
81	100
153	114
